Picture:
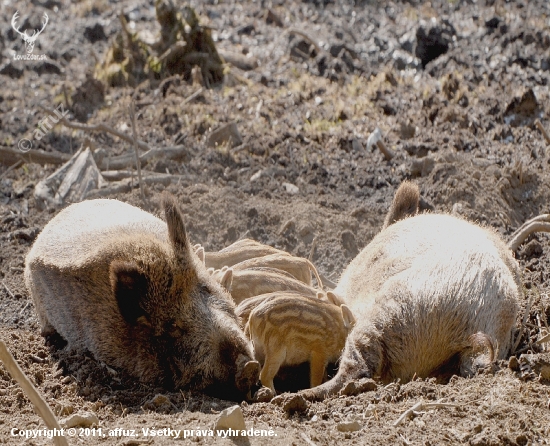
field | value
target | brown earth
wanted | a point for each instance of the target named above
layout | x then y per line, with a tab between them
461	126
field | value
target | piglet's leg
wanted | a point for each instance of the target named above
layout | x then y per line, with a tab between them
317	367
273	361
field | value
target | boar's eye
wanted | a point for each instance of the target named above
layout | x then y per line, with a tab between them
174	330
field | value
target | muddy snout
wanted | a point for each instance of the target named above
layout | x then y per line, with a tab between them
248	373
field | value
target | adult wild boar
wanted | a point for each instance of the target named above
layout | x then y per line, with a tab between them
120	282
432	294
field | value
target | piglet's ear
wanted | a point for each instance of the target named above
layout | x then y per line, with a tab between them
349	318
129	285
176	230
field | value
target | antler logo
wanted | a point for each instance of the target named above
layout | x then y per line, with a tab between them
29	40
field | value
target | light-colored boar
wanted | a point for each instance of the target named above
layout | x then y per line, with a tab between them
430	293
292	329
113	279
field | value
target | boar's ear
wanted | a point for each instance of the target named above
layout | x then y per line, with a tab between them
176	229
349	318
129	286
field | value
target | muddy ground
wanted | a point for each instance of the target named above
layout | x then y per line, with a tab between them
455	88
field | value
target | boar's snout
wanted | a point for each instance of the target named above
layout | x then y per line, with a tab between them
240	385
248	372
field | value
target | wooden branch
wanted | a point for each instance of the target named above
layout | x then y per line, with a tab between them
193	96
543	131
12	167
134	138
10	156
98	128
8	290
40	405
122	161
124	186
421	405
540	223
118	175
524	320
306	37
327	282
128	159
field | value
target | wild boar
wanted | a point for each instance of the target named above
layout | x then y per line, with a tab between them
115	280
432	293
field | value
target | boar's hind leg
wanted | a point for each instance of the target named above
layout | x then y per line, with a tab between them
477	355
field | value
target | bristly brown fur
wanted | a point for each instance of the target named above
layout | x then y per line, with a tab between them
115	280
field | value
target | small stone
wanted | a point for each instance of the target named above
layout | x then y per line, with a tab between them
356	145
246	29
432	40
296	403
264	395
291	188
226	133
513	363
158	403
349	426
356	387
159	400
257	175
10	70
369	411
231	418
404	60
81	419
373	138
272	18
95	33
27	235
532	249
349	243
293	403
